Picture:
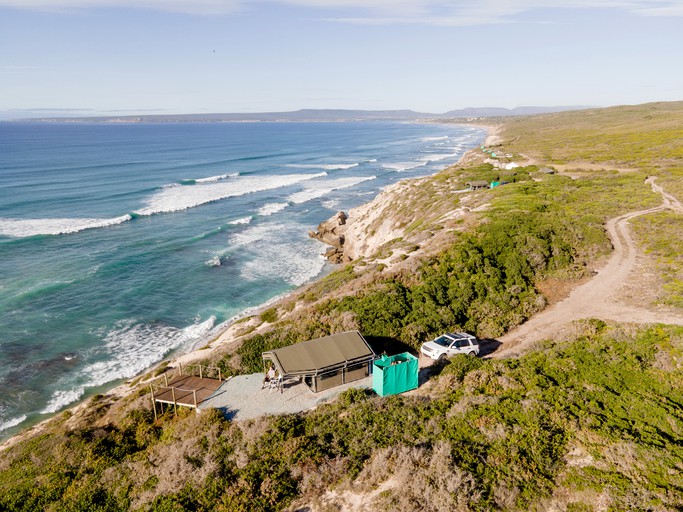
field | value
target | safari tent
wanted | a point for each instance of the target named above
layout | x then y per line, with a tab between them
325	362
476	185
392	375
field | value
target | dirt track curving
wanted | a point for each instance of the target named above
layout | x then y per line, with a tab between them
601	296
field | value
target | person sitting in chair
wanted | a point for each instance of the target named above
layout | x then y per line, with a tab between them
271	376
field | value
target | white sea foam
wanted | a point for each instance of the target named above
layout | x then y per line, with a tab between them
254	234
213	262
181	198
21	228
220	177
12	422
297	261
327	167
271	208
437	157
430	139
243	220
129	349
372	160
332	204
320	188
404	166
62	398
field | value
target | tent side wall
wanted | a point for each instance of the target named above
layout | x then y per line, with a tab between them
339	376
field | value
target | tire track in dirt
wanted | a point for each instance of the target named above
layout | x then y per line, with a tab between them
600	296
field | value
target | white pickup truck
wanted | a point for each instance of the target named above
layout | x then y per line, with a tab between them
450	344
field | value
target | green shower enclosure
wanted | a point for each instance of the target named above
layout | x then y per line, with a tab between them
392	375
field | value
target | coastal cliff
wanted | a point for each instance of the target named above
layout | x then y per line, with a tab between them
425	256
333	232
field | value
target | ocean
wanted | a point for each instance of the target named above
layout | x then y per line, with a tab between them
122	244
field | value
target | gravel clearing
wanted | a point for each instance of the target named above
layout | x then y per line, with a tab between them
243	397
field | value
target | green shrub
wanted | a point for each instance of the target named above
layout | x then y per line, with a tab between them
269	315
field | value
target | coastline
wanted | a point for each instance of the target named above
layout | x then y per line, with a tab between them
229	332
228	336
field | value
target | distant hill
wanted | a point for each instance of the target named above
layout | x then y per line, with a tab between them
309	115
503	112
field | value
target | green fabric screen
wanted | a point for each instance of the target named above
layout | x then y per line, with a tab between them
392	375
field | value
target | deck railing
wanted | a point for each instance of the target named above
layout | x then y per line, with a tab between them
203	370
162	382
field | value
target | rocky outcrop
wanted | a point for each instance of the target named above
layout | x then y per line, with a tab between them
333	232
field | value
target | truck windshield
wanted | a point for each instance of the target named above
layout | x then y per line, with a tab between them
444	341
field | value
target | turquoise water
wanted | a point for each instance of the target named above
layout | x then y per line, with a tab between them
120	244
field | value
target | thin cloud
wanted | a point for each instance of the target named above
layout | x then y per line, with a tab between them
200	7
428	12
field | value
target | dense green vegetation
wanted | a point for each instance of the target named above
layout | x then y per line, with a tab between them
485	282
591	421
661	236
600	414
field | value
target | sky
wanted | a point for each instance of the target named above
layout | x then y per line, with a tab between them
115	57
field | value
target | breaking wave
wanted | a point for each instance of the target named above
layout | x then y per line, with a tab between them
128	349
243	220
327	167
12	422
271	208
404	166
175	199
212	179
316	189
21	228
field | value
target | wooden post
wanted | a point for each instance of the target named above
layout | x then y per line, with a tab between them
175	406
219	374
200	372
194	394
154	402
180	369
166	379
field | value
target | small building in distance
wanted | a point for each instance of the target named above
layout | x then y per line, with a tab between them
477	185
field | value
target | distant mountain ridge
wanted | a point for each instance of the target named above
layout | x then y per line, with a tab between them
312	115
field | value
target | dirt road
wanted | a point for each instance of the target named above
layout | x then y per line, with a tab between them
601	297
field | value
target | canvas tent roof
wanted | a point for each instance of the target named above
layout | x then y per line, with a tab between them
315	356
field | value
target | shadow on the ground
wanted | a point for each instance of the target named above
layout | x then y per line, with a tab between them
488	346
228	413
389	346
429	372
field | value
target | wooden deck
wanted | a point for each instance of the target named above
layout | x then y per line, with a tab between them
187	390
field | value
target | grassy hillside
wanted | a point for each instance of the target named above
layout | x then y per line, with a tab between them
592	421
596	417
642	136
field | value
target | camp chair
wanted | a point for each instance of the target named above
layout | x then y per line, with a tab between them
275	384
268	379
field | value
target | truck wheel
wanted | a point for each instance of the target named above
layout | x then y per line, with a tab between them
442	358
471	354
